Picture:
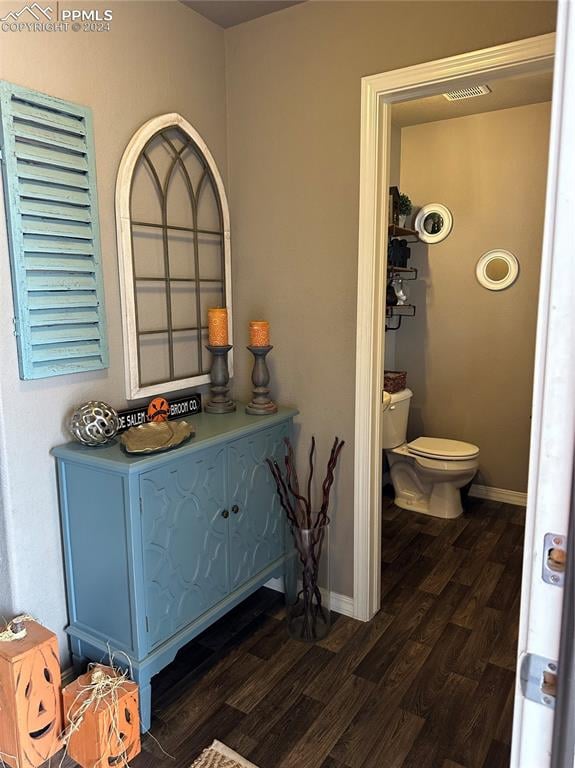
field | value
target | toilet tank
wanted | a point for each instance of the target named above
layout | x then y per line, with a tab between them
395	419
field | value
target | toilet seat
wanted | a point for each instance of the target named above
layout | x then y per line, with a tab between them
442	448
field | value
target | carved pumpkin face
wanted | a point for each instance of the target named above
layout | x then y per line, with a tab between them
38	708
159	409
121	726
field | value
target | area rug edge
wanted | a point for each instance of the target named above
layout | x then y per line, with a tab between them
227	752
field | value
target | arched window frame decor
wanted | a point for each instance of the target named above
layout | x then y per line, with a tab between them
128	164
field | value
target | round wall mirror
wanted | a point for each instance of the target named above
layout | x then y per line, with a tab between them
497	270
433	223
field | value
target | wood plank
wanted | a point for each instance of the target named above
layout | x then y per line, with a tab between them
479	724
341	632
436	619
395	741
471	569
323	733
478	650
363	733
221	722
342	665
506	589
443	571
468	611
286	692
498	756
266	677
434	742
504	652
287	733
504	729
378	660
187	712
435	673
447	537
399	544
510	539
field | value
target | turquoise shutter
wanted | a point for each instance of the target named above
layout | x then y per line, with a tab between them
51	206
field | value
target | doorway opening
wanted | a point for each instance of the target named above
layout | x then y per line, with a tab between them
498	521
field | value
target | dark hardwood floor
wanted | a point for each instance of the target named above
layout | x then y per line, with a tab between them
427	684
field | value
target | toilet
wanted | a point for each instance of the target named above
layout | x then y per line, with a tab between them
427	473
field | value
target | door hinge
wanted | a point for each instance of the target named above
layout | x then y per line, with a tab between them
554	559
15	330
147	625
141	506
539	679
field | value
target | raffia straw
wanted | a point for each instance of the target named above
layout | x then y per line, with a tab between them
8	635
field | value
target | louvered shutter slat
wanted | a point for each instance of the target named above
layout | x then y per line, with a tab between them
56	263
49	137
51	352
63	301
35	226
52	210
52	175
61	117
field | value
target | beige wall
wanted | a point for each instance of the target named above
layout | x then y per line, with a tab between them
294	120
469	351
159	57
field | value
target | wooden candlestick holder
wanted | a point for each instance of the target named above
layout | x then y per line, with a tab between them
260	404
220	376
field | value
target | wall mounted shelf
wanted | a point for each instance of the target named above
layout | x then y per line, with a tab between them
406	273
398	311
394	230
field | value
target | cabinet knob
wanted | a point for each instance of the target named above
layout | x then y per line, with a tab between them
225	513
235	509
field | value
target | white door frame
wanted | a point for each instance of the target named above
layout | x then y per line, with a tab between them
378	93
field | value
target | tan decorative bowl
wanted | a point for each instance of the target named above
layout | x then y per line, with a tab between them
156	436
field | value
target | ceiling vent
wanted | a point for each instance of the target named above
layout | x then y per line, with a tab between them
467	93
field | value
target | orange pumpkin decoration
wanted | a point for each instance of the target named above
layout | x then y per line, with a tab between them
109	731
159	409
30	703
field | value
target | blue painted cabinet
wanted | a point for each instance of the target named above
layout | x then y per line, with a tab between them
159	547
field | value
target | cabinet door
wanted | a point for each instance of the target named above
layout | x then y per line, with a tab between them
256	528
185	546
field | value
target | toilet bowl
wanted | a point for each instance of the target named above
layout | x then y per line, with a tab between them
428	473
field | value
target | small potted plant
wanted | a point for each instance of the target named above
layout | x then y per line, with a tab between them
405	208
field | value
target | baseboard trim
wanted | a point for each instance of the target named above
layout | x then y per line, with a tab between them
498	494
341	604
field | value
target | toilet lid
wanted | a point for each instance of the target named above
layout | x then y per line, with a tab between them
441	448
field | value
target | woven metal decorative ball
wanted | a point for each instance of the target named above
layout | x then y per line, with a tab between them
94	423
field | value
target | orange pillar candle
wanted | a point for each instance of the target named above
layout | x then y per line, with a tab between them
218	327
259	333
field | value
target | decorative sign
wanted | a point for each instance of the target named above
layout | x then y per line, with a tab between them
160	409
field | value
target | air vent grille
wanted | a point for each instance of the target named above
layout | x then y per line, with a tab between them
467	93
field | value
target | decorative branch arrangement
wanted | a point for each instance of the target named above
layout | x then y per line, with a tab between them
308	529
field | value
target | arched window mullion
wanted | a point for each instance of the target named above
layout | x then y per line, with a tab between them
207	175
158	186
194	202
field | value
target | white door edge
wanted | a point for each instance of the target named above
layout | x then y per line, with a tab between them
552	433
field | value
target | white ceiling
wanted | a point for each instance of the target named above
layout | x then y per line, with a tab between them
511	92
228	13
